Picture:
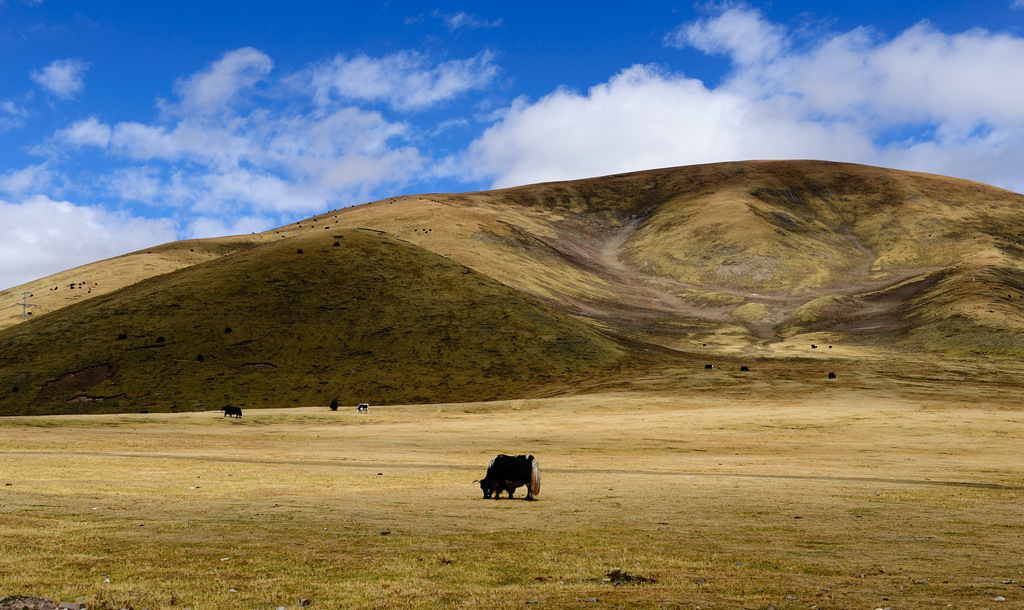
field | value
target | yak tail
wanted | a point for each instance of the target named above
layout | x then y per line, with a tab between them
534	476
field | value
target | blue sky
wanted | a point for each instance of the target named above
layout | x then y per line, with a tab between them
128	124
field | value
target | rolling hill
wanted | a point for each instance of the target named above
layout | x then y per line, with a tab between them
541	289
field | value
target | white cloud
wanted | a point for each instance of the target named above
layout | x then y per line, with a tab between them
40	236
923	75
644	118
850	96
405	80
34	178
738	31
64	78
212	90
462	19
12	115
88	132
294	158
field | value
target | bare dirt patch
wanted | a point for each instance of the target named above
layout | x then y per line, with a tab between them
73	382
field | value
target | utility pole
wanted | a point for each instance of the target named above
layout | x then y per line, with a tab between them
24	304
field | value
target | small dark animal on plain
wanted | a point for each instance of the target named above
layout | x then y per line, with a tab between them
507	472
813	346
744	368
334	404
708	367
363	408
231	411
831	375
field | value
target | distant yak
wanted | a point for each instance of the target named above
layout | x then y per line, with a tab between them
231	411
708	367
363	408
831	375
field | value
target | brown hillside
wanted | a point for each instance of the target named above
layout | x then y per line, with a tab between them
746	257
731	260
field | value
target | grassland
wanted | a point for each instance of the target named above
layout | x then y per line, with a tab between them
574	321
862	494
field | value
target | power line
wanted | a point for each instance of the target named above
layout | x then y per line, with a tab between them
24	304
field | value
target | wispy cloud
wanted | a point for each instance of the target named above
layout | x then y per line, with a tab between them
64	78
404	81
462	19
224	148
32	179
212	90
12	115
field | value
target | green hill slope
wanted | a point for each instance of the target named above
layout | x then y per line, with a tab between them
371	319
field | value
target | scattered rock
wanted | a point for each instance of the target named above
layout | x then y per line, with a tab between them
71	606
17	602
304	602
1000	599
700	581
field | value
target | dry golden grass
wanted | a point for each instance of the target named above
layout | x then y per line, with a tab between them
796	496
731	260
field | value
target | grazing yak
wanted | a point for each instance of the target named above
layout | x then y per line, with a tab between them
231	411
363	408
507	472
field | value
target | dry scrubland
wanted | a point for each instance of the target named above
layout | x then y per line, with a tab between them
841	496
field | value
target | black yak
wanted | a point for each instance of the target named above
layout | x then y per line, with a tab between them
507	472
